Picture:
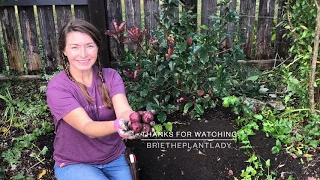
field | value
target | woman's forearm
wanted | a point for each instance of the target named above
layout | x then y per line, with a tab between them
126	114
95	129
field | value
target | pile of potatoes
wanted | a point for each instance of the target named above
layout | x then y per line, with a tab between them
141	121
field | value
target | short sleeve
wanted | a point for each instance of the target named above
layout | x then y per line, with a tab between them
61	102
116	84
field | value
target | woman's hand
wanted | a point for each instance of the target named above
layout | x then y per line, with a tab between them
122	126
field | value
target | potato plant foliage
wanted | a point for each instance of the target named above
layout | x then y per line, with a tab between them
180	67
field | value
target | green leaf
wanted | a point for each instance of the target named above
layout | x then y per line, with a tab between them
198	109
144	92
263	89
258	116
309	49
156	100
162	117
275	150
314	143
268	163
273	37
205	27
252	78
225	102
157	128
186	107
44	150
171	65
168	126
196	49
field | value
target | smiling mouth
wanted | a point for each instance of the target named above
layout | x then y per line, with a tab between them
83	61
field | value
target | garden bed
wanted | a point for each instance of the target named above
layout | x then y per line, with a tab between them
222	159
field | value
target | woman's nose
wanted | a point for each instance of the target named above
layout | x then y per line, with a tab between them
83	52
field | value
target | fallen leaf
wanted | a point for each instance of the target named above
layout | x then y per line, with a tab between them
199	152
307	155
200	92
230	172
311	178
42	173
293	155
276	104
281	165
4	129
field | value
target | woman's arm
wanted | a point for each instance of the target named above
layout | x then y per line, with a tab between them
121	106
79	119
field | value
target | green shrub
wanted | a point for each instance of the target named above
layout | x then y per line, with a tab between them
180	68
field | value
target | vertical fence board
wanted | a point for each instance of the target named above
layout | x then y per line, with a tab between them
63	15
133	18
48	36
247	19
208	8
11	36
231	28
192	4
151	10
133	13
264	30
97	15
114	12
226	44
176	15
29	37
2	59
81	12
281	44
194	7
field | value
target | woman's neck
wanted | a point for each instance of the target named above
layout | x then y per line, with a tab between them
84	77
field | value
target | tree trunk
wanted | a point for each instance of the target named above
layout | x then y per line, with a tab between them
314	60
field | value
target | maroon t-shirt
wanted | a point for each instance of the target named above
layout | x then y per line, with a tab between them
70	145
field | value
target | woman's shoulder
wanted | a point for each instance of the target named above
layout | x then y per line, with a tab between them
59	80
109	72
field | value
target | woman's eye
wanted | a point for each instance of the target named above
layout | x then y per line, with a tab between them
74	47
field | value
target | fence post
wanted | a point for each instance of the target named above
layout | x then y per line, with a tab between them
247	20
11	36
114	12
97	16
264	30
208	8
282	44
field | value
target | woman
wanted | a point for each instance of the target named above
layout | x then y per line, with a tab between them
90	109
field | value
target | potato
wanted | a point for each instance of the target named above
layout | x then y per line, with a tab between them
136	127
146	128
135	117
147	117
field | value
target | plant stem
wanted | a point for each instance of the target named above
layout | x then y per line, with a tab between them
298	110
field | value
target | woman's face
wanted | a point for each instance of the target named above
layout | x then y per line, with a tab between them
81	51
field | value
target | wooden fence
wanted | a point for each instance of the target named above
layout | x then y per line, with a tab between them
28	50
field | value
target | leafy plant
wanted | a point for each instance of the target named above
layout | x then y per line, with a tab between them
180	69
256	169
8	115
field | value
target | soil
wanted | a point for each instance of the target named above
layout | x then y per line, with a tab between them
207	163
164	158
